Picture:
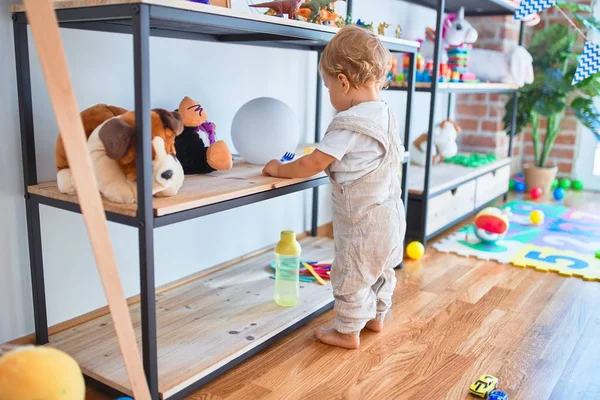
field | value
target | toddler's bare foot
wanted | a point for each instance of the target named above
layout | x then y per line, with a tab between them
334	338
375	326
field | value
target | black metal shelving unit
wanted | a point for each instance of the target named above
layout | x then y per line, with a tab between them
142	20
418	203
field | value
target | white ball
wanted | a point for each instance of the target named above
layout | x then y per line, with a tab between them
265	129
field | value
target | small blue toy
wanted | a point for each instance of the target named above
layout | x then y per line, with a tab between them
520	187
288	157
559	193
497	395
124	398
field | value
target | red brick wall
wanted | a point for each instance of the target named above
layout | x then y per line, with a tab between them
480	115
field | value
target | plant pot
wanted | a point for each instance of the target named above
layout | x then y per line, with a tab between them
541	177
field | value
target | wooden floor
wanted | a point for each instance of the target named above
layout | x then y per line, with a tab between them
453	319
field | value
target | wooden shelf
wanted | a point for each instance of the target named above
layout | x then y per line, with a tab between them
445	176
460	87
202	325
198	190
186	19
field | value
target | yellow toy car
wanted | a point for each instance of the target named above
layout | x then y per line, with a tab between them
483	386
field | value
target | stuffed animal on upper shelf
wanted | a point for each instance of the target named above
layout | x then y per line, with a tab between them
444	144
514	66
197	148
110	133
456	31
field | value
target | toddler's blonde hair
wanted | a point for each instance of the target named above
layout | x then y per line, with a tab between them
359	55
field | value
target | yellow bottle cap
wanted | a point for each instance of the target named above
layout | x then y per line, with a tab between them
288	236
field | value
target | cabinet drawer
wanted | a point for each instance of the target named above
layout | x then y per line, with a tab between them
492	185
449	206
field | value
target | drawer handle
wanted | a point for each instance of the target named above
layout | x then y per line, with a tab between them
453	191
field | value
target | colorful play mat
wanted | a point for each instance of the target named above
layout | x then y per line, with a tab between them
565	243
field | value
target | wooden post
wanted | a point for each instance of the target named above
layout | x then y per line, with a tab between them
46	35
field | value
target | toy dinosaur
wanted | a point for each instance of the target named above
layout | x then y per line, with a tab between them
382	27
315	7
325	17
280	7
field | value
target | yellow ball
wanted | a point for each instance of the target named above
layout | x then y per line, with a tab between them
536	217
415	250
31	373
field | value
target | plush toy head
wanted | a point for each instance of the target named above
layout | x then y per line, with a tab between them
192	113
118	137
448	133
33	373
457	30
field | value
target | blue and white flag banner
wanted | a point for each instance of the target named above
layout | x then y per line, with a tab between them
528	7
589	62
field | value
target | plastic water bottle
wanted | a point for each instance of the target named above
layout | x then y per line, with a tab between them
287	274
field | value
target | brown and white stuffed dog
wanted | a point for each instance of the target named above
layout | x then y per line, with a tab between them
111	141
444	144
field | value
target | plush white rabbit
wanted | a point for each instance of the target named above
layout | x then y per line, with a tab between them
514	66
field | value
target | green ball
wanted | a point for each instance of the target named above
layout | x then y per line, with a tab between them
511	184
555	184
565	183
598	254
577	185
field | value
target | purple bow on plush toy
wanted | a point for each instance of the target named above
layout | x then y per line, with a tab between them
208	128
200	1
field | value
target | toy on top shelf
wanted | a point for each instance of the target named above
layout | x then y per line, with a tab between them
398	31
362	24
458	62
316	6
197	148
326	17
444	140
281	7
491	225
457	36
382	27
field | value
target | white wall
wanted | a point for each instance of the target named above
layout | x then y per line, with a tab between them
222	77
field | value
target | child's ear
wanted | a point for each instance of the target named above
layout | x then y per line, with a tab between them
344	82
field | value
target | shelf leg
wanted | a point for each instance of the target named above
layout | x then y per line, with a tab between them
315	194
145	213
410	92
441	4
32	208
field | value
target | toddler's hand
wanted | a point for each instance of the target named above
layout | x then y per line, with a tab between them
272	168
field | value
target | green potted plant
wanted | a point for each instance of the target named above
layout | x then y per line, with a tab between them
552	94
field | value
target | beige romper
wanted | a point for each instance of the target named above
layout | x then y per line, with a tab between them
369	225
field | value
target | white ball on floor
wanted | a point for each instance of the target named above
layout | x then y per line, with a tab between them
264	129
